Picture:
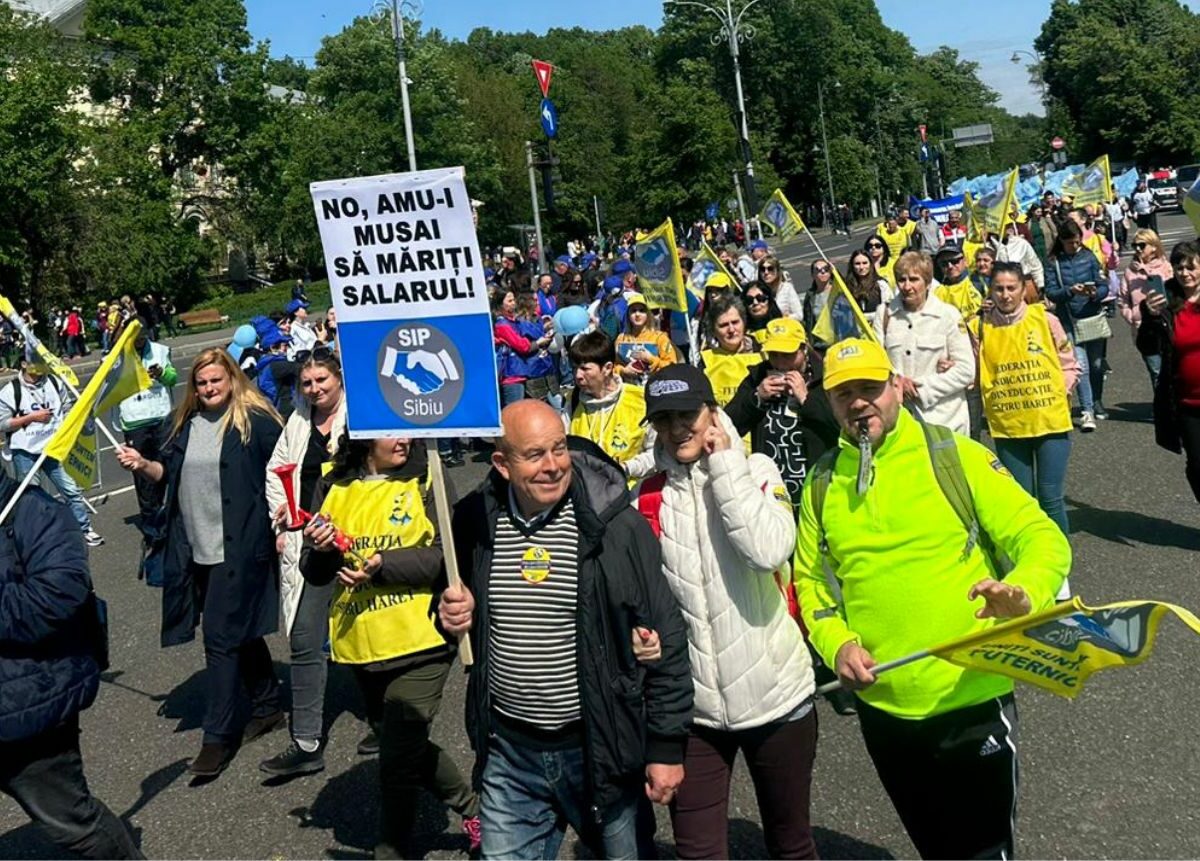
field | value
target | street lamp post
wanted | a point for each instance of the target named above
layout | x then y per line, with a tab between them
825	142
398	10
1037	59
735	31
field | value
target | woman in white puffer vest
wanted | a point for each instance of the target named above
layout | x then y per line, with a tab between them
727	528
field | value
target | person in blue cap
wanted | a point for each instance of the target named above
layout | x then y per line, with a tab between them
589	261
628	275
562	266
747	264
277	374
608	311
302	335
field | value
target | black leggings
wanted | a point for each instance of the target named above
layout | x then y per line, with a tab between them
1189	431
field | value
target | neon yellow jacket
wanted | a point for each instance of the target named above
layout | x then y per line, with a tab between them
897	553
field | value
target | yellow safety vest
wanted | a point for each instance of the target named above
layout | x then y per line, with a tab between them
372	623
619	429
1021	379
726	371
963	296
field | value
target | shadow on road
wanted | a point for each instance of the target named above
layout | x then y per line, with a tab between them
1131	527
1138	413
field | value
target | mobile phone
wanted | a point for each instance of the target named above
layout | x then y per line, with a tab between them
1154	284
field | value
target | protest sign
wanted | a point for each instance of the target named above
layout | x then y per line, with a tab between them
414	326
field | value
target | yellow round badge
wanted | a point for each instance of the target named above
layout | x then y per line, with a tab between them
535	564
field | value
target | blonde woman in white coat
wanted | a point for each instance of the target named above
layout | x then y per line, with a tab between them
727	528
309	440
928	345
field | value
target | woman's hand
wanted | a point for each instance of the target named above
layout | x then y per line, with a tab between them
352	577
647	648
280	542
320	533
772	386
1155	303
130	459
944	364
797	385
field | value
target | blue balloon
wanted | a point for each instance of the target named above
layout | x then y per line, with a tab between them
571	320
243	338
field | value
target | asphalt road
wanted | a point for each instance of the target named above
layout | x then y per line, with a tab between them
1109	775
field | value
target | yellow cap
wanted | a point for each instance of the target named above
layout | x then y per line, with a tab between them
718	279
784	335
632	299
855	359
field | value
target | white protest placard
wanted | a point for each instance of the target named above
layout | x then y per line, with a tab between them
414	326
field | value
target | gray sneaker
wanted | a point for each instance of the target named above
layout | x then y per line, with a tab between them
93	538
1087	422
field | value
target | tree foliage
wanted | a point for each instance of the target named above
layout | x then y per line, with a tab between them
1125	75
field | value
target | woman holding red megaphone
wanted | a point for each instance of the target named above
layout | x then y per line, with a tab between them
307	446
381	622
219	568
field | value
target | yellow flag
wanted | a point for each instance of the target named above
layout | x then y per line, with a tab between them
120	376
660	277
1059	648
992	211
705	264
780	215
56	365
81	461
1191	204
841	317
1093	184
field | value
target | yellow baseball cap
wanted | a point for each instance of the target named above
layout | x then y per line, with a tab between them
720	280
632	299
855	359
784	335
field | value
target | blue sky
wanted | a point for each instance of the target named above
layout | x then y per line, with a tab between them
986	32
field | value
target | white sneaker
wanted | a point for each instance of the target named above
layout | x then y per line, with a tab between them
93	539
1087	422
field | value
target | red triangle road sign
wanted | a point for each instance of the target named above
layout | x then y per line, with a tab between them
542	70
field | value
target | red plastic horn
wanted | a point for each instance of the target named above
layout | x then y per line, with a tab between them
296	518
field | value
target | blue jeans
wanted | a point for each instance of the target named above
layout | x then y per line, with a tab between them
23	462
510	393
1154	366
1091	374
530	796
1039	464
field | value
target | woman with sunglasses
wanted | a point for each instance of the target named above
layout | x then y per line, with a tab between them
881	257
1149	266
774	280
1076	285
865	284
817	295
1171	329
760	310
309	440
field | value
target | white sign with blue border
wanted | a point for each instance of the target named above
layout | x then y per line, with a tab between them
414	326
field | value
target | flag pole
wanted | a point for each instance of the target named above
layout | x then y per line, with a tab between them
441	502
882	668
22	487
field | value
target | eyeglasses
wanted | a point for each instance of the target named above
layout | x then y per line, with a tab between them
756	299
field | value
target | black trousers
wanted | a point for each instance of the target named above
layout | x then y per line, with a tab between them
44	775
951	777
149	493
1189	431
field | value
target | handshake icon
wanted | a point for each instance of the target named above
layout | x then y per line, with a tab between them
419	371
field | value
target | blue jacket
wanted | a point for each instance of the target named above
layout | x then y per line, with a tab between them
1080	268
47	672
530	367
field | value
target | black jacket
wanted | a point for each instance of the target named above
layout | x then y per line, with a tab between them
633	714
245	604
1156	337
47	672
819	429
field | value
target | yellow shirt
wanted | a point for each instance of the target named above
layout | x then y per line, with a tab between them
613	423
1021	379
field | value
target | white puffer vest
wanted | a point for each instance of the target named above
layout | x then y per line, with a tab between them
727	527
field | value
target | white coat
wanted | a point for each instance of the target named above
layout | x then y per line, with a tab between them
1018	250
727	528
915	342
290	448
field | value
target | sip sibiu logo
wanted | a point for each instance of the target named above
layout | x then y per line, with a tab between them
420	373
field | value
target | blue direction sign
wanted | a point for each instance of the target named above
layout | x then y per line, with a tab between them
549	118
712	211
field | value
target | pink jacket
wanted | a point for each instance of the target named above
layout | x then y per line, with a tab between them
1133	287
1066	352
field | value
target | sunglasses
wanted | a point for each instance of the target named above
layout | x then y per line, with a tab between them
874	244
577	281
1139	245
822	270
768	269
956	260
320	353
756	299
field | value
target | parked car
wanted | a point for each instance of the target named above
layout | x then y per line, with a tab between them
1166	193
1185	177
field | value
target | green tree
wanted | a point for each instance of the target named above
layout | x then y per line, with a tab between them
1125	75
40	142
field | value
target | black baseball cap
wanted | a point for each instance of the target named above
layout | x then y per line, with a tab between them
677	388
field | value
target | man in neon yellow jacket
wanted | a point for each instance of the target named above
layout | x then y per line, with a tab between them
890	570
